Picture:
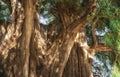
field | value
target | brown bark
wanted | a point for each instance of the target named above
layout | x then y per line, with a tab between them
35	59
54	60
79	64
64	52
71	68
33	51
55	66
95	43
26	37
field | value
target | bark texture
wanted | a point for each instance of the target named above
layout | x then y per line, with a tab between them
27	33
79	64
28	49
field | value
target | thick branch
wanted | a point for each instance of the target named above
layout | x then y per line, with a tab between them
77	24
93	32
100	48
26	37
103	48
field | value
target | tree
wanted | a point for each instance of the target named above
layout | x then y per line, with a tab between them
61	49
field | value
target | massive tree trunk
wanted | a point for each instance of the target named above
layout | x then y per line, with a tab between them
30	50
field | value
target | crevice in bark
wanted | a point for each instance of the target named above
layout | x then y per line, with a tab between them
78	64
32	59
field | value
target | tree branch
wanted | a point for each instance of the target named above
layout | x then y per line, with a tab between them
103	48
100	48
83	20
95	43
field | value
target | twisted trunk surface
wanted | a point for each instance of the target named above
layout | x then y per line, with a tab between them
29	50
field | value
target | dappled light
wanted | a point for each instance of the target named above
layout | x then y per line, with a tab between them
59	38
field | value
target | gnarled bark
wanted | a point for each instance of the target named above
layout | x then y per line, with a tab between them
39	54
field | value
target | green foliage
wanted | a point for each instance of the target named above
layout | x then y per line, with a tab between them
4	13
109	39
112	38
70	6
107	9
111	13
115	72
